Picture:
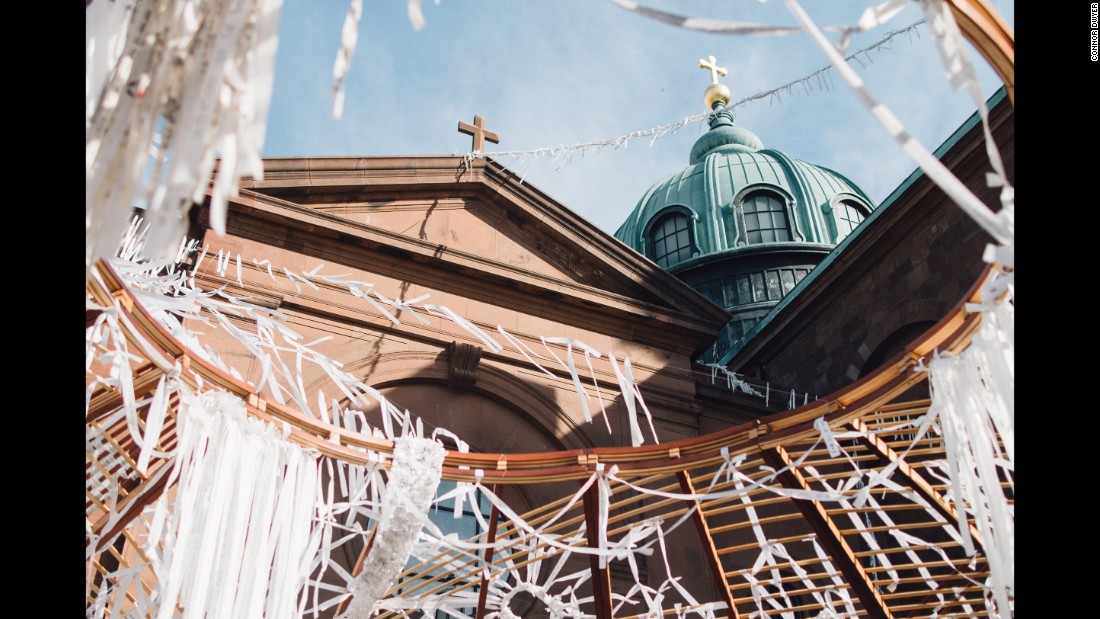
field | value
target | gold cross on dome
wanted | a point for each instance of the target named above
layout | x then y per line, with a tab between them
711	65
479	132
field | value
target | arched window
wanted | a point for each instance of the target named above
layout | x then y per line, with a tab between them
848	215
671	238
765	218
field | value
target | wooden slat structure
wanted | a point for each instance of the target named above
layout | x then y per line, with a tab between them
827	531
862	571
724	529
706	542
881	448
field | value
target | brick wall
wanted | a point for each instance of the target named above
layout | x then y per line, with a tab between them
910	268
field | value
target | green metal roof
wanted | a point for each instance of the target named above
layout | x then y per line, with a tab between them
727	163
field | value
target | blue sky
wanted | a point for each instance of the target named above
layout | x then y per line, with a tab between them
551	73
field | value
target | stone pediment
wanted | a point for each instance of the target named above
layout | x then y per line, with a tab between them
473	222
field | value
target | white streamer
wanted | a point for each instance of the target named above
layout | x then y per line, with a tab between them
244	501
970	392
936	171
818	77
414	476
348	37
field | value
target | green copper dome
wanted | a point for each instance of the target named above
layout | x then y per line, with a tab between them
732	188
743	224
724	137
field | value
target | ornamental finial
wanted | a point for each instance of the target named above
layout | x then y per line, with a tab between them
716	92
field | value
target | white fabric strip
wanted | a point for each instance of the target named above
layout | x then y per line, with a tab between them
348	36
525	351
571	367
956	61
465	324
822	427
405	306
931	166
414	477
972	406
841	586
573	542
867	536
244	500
354	290
154	421
637	391
627	388
704	24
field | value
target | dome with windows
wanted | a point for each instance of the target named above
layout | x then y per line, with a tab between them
743	224
736	195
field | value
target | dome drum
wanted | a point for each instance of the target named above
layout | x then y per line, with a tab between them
715	193
743	224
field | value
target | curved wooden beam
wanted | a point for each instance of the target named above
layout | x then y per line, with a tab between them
988	32
952	333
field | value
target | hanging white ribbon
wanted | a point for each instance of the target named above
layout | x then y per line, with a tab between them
626	386
936	171
234	539
972	394
414	476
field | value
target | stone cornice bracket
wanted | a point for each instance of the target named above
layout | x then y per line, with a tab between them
462	360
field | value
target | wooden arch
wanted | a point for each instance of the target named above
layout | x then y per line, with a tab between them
863	408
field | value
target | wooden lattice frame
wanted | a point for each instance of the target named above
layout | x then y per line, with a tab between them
864	407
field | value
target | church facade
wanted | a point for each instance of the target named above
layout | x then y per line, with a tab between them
688	280
505	257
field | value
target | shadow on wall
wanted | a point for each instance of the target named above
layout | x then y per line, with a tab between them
893	344
496	411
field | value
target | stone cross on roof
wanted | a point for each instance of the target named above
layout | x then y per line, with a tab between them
479	132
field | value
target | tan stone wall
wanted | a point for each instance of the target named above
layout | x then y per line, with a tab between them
407	358
492	265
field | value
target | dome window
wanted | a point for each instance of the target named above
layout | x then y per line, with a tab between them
766	218
671	239
848	215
